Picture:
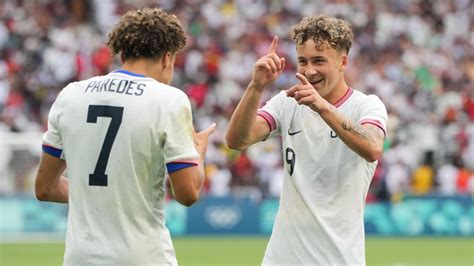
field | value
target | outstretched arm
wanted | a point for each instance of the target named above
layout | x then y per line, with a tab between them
366	140
245	127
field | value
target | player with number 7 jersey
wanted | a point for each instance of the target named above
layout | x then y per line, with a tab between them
119	135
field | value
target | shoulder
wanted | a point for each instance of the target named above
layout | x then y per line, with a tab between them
173	92
282	95
161	92
366	100
86	81
76	86
280	100
68	90
278	105
169	95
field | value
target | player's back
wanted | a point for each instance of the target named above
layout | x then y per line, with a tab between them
114	130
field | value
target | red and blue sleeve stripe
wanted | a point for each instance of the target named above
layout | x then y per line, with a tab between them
52	151
175	166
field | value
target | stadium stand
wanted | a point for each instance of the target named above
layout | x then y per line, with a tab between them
417	56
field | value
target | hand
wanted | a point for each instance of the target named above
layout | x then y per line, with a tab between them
201	139
305	93
268	67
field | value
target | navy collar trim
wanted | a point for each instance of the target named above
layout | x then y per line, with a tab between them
126	72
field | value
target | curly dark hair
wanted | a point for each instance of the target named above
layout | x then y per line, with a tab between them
324	30
146	33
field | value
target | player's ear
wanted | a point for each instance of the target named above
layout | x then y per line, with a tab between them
166	60
344	60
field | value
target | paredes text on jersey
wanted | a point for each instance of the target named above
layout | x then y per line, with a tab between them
116	85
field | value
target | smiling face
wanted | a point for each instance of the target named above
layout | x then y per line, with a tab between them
324	68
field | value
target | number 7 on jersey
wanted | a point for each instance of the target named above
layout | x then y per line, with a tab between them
99	178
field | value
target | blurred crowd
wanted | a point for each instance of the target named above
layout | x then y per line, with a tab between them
417	56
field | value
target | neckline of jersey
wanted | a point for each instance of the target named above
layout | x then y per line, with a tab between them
126	72
344	98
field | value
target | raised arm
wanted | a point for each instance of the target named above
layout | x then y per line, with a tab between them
245	127
366	140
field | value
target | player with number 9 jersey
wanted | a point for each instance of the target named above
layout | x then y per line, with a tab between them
119	135
332	136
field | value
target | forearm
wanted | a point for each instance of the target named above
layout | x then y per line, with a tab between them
365	141
239	132
199	182
58	192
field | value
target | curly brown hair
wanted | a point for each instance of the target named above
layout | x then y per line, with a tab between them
324	30
146	33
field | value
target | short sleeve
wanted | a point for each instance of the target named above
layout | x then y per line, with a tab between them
178	128
375	113
52	138
271	112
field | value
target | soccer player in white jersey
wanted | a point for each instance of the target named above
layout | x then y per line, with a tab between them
118	134
332	136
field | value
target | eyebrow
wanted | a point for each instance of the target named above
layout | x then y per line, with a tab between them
312	58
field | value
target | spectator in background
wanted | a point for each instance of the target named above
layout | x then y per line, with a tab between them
418	52
398	179
462	178
244	171
220	178
446	178
423	176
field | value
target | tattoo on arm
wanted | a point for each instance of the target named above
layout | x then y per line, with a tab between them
356	129
372	134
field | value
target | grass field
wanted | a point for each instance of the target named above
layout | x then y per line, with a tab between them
249	251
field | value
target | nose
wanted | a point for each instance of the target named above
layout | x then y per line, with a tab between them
310	72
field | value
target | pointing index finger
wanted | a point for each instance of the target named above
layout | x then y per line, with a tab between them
273	46
302	79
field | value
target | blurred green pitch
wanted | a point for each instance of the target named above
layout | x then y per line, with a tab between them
249	251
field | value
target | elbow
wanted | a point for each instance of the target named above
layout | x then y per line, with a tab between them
189	199
40	192
373	155
188	202
41	195
234	145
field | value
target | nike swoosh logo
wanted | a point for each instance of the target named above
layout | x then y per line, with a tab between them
293	133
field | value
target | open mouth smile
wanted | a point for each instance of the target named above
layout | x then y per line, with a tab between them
316	82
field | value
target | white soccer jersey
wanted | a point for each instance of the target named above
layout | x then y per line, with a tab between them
116	133
320	218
